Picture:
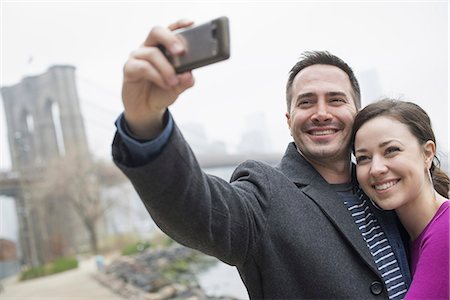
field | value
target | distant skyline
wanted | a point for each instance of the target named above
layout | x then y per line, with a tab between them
397	49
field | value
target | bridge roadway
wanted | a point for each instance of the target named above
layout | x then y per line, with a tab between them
232	160
10	181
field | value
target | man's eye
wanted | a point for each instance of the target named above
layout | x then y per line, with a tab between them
338	100
304	102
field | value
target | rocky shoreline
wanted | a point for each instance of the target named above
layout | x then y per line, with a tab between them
159	274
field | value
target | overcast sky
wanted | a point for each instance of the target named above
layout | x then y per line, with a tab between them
397	49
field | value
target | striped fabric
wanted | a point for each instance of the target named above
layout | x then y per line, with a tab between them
377	242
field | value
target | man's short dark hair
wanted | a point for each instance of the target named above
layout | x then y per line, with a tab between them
310	58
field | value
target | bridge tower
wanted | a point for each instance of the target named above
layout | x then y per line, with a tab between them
43	118
44	122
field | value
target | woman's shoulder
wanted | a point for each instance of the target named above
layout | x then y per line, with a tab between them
442	214
440	224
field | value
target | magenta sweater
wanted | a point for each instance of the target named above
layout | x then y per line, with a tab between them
430	259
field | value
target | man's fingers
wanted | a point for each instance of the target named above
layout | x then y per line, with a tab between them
138	69
180	24
186	80
149	63
165	37
159	62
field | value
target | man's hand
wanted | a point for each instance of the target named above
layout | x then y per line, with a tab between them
150	83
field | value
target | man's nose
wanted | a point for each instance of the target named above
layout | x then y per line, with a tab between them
322	112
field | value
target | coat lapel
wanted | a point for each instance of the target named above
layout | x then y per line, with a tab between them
310	182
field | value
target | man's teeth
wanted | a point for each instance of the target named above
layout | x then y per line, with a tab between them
385	186
323	132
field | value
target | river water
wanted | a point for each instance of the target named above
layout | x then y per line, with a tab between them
222	279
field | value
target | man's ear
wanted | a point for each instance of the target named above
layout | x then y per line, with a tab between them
288	119
429	150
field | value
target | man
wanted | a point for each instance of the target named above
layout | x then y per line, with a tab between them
300	230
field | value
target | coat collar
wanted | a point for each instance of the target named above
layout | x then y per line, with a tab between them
302	173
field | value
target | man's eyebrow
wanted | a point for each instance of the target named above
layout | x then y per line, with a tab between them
304	95
309	94
329	94
336	94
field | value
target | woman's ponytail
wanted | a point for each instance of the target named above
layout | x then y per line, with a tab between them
441	181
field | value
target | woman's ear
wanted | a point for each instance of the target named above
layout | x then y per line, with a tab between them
429	150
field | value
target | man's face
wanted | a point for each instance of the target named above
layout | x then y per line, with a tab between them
322	113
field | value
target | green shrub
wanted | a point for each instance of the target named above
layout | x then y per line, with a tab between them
135	248
63	264
60	265
168	242
33	273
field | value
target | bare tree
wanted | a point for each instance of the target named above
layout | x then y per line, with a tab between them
78	181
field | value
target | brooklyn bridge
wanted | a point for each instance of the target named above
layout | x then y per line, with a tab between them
44	123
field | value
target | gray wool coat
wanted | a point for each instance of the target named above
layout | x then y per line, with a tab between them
287	232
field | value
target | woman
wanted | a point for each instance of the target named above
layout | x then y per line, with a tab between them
395	148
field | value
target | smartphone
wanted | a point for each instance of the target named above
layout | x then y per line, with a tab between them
205	44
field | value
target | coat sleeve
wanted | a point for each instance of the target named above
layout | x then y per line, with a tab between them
198	210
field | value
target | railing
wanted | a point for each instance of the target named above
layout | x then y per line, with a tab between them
231	160
9	183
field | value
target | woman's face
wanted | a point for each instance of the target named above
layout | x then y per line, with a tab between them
392	167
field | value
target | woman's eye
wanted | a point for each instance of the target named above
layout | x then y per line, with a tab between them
391	150
361	159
